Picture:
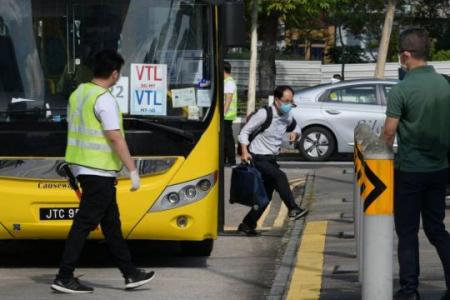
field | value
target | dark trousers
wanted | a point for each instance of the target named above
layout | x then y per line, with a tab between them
230	151
420	194
274	179
98	206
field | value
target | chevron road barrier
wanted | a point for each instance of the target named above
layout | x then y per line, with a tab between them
374	197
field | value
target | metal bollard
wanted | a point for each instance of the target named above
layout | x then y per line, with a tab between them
378	233
363	134
357	207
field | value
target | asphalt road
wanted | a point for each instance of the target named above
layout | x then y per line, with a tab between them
239	267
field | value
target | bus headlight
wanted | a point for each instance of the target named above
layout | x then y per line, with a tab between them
190	192
184	193
204	185
173	198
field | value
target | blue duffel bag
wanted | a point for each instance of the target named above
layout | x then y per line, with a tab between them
247	186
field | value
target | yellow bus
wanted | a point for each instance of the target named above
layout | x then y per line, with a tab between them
170	95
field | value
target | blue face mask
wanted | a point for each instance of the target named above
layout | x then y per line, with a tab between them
285	108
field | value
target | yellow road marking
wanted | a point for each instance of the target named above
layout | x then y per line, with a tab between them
307	278
264	216
282	213
297	181
234	228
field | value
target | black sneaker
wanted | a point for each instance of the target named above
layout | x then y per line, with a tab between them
247	230
70	286
140	278
297	213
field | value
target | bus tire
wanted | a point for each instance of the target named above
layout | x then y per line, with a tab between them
197	248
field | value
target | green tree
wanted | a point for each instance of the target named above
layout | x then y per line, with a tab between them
251	95
385	38
432	15
305	14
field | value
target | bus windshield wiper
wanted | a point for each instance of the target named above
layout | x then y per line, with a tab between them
180	132
36	110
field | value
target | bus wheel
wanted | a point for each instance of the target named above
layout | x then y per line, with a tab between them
195	248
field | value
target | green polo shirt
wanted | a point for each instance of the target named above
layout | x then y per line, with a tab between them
422	103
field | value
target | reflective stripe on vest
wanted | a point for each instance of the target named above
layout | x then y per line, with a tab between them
86	143
232	110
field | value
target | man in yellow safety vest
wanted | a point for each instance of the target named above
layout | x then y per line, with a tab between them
96	151
230	114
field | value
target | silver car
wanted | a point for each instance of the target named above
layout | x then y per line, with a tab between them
329	113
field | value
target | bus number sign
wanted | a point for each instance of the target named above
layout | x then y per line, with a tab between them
120	92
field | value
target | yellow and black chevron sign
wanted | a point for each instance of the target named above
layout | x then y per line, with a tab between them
376	180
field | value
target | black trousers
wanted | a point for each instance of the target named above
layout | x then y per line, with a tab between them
98	206
274	179
230	151
419	194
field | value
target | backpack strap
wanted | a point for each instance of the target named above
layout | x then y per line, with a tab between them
292	126
265	125
269	118
446	77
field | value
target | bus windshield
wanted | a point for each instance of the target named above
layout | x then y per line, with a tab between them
166	91
46	48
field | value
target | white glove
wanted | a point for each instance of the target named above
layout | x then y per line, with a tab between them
135	180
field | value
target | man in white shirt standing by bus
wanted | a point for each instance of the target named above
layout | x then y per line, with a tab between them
96	151
230	114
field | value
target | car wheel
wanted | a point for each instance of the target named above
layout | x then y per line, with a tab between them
317	144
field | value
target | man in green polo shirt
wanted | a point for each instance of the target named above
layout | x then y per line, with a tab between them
418	112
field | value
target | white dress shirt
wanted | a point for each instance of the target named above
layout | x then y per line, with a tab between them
269	141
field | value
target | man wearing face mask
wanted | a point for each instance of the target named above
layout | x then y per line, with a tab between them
418	111
263	151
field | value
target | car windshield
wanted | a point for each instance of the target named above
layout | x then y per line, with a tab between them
46	49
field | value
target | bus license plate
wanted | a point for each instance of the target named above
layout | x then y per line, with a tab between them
65	213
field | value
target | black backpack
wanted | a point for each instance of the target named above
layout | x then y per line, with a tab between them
264	126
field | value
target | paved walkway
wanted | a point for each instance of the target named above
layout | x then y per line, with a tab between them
326	266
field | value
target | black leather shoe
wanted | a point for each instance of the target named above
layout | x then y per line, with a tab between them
407	295
247	230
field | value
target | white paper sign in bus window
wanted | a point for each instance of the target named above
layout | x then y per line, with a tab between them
149	89
183	97
203	98
120	92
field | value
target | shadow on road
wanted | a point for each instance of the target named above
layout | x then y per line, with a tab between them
19	254
297	157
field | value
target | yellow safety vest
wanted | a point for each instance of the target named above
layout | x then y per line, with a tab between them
232	110
86	143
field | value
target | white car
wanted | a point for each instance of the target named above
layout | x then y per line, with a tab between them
329	113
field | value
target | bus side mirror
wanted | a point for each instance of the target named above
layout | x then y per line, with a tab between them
233	17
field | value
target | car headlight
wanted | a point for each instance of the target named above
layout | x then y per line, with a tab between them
184	193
